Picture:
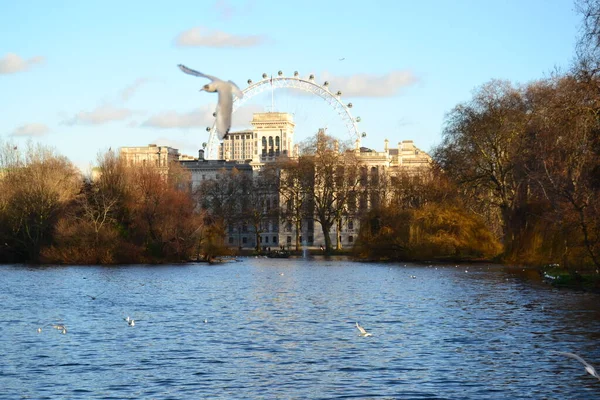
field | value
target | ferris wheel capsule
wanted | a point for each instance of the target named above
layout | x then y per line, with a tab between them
339	93
326	83
357	119
364	134
249	81
349	105
296	74
215	114
280	73
311	77
264	75
208	129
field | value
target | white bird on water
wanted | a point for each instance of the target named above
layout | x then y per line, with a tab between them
589	369
225	104
362	331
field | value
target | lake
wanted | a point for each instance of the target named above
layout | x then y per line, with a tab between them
285	329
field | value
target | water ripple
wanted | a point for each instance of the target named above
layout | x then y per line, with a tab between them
443	335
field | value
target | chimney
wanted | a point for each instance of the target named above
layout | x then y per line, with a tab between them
201	155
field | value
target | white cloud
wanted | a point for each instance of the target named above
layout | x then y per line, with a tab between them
200	118
12	63
30	130
100	115
201	37
130	90
368	85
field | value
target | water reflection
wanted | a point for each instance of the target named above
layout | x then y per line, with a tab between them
446	334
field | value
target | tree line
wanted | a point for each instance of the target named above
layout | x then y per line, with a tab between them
50	213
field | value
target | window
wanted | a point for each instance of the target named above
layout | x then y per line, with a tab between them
289	239
244	240
350	224
275	239
310	240
230	240
266	239
350	239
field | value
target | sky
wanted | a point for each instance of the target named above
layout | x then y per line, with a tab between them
86	76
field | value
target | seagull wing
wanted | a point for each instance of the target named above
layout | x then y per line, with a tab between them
190	71
236	90
360	328
224	109
576	357
589	368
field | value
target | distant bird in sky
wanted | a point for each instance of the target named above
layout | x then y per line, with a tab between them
225	104
589	369
362	331
342	59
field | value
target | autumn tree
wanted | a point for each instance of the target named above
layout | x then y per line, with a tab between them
426	219
163	212
36	187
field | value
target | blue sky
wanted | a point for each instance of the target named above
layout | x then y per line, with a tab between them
86	76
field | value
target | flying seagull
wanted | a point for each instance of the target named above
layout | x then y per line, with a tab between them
362	331
225	105
589	369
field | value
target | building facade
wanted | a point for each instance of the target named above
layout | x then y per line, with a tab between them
272	137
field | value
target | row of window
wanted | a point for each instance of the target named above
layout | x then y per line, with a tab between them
265	239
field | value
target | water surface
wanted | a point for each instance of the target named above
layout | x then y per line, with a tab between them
285	328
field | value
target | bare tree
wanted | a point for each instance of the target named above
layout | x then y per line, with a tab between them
565	156
483	140
294	183
332	182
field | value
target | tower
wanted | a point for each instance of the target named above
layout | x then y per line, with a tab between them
273	135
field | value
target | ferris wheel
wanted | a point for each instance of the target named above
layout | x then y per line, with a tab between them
334	99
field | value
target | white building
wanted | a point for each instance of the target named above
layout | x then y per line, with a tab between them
271	137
